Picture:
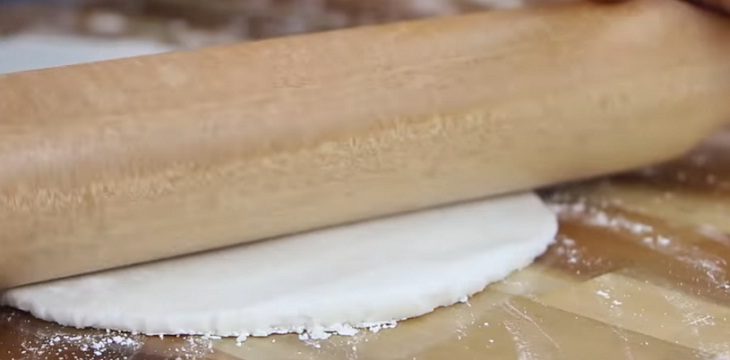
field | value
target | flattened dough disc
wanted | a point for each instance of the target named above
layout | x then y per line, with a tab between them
370	272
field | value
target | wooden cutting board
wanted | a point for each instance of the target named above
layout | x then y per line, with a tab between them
638	271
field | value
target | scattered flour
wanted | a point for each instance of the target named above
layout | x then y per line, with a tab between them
606	294
566	247
112	345
321	333
42	342
712	266
192	348
595	216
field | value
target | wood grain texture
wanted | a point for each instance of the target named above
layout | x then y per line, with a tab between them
120	162
609	288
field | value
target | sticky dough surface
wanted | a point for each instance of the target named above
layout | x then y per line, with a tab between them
387	269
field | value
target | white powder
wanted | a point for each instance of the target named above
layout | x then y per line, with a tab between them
595	216
32	51
566	247
376	327
63	346
711	265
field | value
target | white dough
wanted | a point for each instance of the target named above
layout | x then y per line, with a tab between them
370	272
35	51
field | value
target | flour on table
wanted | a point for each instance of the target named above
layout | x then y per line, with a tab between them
334	280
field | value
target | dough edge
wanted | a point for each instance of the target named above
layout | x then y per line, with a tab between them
475	272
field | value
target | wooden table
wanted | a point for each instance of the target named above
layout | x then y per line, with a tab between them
638	271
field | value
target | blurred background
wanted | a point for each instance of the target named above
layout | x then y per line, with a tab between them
195	23
38	34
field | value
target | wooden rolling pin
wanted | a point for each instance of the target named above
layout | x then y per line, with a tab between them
115	163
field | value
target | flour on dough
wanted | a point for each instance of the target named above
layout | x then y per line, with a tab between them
331	280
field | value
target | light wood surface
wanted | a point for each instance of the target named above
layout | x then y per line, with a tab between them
127	161
609	288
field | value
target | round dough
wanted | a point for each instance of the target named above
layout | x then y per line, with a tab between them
370	272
